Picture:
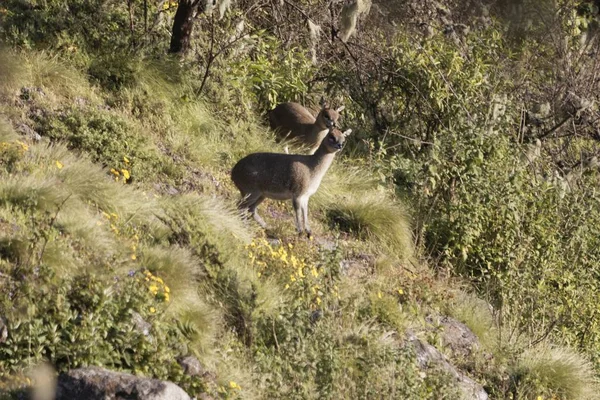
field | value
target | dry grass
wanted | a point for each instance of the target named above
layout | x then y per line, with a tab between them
353	202
563	371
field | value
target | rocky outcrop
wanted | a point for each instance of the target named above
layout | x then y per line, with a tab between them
428	357
93	383
456	337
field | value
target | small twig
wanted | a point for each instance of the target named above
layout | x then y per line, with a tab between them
408	138
301	11
557	126
145	16
275	334
131	24
545	335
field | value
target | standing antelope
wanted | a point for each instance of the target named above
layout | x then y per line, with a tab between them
293	121
286	176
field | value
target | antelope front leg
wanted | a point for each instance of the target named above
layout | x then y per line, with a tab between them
305	217
298	213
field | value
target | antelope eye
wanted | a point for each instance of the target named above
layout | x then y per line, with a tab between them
331	139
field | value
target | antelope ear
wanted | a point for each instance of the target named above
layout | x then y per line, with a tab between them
347	133
340	108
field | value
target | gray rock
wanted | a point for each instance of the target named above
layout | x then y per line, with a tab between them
93	383
141	325
358	266
191	366
428	356
326	244
456	336
28	131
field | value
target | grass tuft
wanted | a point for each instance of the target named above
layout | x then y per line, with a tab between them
193	217
560	370
7	133
180	270
353	203
48	71
476	314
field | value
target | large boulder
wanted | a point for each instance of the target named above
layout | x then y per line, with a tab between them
93	383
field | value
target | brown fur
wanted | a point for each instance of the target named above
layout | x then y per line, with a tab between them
285	176
293	121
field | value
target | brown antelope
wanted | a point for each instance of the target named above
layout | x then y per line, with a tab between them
286	176
293	121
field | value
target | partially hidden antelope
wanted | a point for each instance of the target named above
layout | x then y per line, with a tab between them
286	176
293	121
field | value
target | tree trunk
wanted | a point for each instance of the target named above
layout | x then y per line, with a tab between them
182	26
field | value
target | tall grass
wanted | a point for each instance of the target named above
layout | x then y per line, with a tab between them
353	202
477	316
7	134
560	370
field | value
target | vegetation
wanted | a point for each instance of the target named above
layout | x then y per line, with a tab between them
468	189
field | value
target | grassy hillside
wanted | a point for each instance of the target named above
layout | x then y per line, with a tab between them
120	243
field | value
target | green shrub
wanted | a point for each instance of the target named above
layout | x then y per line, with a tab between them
88	320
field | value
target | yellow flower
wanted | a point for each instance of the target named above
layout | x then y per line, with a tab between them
400	292
59	165
167	297
234	385
125	174
167	290
258	274
318	301
126	160
153	288
114	172
24	146
379	295
292	278
152	310
133	256
539	398
287	286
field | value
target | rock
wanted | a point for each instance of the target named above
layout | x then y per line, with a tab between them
455	335
28	131
358	266
428	356
141	325
326	244
191	366
93	383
